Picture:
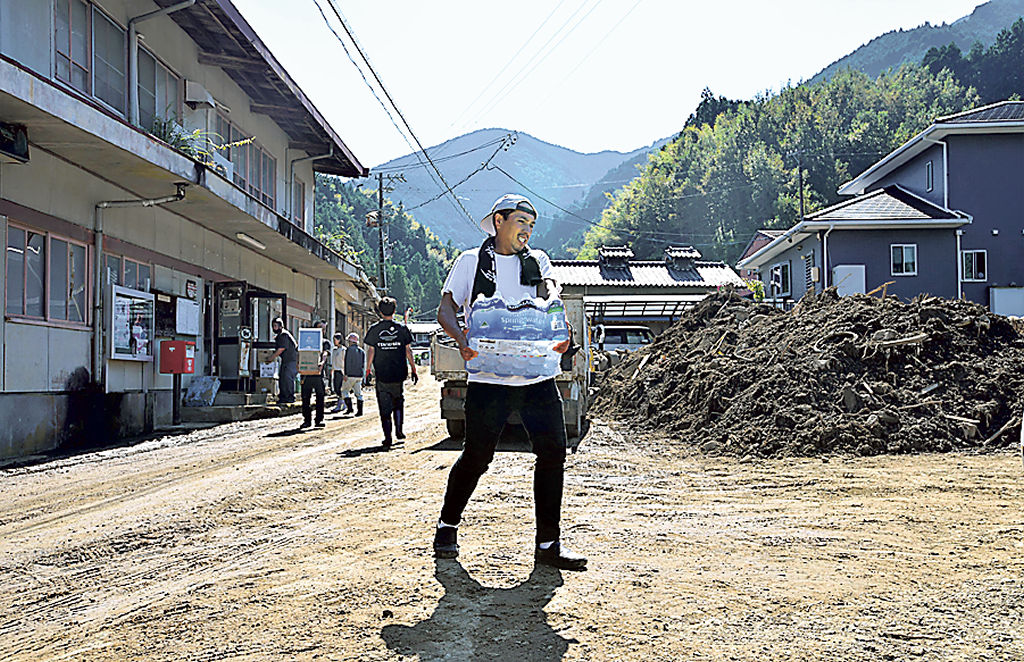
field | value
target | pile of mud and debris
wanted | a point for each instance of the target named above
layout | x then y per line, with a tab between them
856	374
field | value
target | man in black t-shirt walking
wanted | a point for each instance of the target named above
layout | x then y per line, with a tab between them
390	357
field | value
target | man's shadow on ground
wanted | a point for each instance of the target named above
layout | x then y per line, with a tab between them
473	622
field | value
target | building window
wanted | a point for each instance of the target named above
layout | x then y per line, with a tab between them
159	91
975	266
929	176
299	202
254	170
126	272
45	281
108	61
67	298
71	38
780	281
904	259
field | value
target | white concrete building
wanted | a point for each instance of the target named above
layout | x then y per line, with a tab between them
94	97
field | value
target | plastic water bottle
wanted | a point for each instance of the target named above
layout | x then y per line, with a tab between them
516	340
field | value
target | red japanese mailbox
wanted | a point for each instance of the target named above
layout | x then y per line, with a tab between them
177	357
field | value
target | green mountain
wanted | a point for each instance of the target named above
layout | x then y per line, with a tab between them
552	176
897	47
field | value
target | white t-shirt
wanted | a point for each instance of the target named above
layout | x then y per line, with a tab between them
506	267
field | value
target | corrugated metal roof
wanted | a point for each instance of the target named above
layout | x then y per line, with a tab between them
645	274
1004	111
887	204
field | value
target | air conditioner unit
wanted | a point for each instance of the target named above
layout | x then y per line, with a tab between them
196	96
222	165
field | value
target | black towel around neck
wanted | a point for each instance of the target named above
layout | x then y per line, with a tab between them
486	279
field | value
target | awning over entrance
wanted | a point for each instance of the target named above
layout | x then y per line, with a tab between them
639	306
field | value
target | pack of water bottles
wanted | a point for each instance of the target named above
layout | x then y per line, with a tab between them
516	339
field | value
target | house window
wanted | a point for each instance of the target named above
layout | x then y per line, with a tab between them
975	266
108	62
904	259
71	39
929	176
159	91
47	276
299	202
780	280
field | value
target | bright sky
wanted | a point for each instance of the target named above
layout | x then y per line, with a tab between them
586	74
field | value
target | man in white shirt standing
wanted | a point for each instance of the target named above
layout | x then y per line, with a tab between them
505	266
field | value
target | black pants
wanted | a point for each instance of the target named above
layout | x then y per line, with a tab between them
286	381
311	383
339	379
487	408
390	403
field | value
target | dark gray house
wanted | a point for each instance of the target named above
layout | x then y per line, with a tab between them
940	215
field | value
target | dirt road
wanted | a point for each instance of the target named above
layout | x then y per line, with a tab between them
251	541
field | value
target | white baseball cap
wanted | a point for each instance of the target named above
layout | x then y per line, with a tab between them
507	202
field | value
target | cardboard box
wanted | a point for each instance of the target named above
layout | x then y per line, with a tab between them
310	345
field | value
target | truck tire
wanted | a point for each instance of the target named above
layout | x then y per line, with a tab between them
456	428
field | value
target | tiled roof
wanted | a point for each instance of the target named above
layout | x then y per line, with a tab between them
1004	111
682	253
886	204
624	252
705	274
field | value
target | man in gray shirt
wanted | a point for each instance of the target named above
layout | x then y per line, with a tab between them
349	368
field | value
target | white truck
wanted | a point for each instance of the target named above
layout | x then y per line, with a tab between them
447	366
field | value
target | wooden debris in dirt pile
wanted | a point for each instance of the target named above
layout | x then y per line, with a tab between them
855	374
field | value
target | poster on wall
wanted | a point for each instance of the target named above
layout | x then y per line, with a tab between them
132	318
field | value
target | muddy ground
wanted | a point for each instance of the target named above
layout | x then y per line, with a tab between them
252	542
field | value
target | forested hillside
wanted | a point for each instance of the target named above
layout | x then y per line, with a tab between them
417	261
735	167
720	181
890	50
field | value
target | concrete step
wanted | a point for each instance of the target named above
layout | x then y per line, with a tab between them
236	398
243	412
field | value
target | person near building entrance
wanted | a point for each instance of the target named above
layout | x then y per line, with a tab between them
315	384
349	369
390	357
506	266
288	350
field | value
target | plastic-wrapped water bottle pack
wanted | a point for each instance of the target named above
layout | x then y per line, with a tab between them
516	339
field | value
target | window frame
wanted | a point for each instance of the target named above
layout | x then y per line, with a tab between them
69	56
929	176
47	318
123	269
179	85
251	164
963	265
892	262
786	288
298	200
94	9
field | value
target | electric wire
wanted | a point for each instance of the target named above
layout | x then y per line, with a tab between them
507	64
373	72
516	81
466	178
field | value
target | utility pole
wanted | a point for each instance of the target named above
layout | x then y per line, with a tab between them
800	167
383	286
376	219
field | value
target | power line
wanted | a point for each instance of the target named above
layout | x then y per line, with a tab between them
506	142
516	81
507	64
380	83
